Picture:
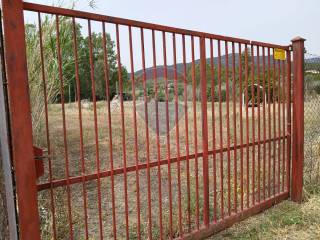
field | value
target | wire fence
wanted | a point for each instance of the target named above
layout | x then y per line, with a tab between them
312	119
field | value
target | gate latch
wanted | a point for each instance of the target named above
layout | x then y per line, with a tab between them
38	160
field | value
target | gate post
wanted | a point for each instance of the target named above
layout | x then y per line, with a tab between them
20	119
5	148
298	119
203	84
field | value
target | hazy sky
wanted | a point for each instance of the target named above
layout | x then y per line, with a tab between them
276	21
273	21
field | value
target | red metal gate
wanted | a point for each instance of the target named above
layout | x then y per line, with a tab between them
203	141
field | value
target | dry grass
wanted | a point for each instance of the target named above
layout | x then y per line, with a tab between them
76	190
287	220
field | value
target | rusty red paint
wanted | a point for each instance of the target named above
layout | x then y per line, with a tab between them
220	133
157	128
238	204
213	116
20	119
96	136
283	100
64	127
234	114
298	119
279	124
141	166
135	135
259	124
274	124
194	86
38	155
241	126
164	41
264	121
247	127
288	161
48	142
269	127
204	110
106	76
187	128
147	133
228	124
84	192
253	127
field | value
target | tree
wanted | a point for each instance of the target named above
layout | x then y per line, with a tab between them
51	64
197	73
98	53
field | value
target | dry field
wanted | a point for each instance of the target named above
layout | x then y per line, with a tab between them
101	143
287	220
290	220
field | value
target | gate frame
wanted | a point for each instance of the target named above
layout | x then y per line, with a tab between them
22	140
20	119
5	147
298	120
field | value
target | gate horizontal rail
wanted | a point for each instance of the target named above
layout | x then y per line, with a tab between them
219	107
237	217
97	17
117	171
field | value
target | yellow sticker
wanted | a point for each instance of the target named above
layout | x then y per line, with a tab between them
279	54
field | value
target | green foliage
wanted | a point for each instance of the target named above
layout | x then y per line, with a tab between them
216	96
51	64
197	73
312	66
269	77
99	68
161	95
57	88
312	83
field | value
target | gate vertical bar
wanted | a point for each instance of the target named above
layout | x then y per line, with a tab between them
269	126
136	154
21	125
204	131
187	128
288	118
298	119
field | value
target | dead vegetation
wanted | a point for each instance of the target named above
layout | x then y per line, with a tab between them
63	208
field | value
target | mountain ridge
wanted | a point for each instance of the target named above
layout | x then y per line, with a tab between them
180	66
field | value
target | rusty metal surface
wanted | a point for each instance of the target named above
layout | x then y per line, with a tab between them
7	199
298	119
227	158
20	119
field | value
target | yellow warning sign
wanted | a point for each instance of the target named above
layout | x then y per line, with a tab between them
279	54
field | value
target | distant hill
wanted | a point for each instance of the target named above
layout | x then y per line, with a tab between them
160	73
170	68
313	60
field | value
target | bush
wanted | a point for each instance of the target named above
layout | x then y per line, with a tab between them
161	96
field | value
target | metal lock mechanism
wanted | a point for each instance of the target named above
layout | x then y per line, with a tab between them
38	160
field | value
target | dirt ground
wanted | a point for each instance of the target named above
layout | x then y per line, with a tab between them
187	197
